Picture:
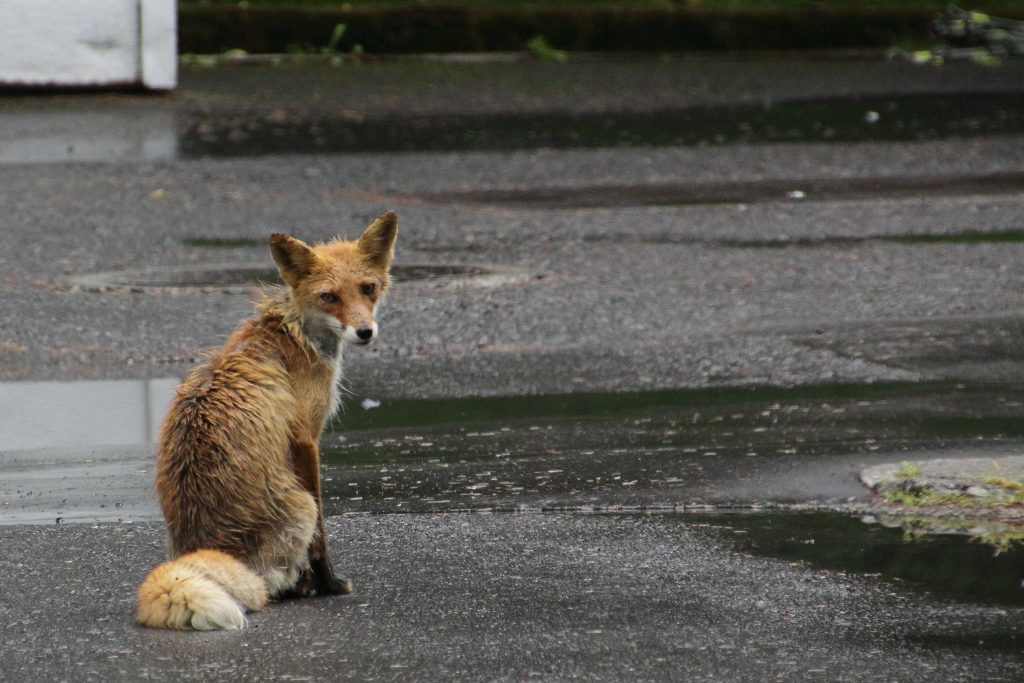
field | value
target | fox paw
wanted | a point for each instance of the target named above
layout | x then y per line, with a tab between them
332	585
303	588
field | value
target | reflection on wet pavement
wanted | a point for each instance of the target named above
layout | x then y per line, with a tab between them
100	135
79	451
947	565
857	119
81	414
163	131
653	449
748	193
734	459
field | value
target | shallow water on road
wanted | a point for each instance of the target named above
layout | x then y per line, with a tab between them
851	119
734	459
948	565
685	453
661	449
90	131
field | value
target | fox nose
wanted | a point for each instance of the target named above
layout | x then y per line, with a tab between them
364	333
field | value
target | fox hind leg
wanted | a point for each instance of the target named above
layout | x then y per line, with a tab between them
283	560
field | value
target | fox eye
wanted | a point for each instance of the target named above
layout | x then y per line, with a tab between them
369	289
328	298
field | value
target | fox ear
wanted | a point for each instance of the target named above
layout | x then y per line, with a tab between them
378	241
293	258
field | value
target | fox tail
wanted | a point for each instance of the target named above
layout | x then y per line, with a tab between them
204	590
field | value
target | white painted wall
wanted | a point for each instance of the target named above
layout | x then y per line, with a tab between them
88	42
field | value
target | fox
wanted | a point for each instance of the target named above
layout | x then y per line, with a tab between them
238	465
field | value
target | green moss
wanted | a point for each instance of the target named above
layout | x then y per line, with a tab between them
1008	492
1003	482
926	498
909	470
541	50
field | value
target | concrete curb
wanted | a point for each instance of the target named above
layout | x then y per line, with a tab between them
955	495
952	472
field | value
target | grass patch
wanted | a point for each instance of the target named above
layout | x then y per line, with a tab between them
926	498
1001	492
909	470
1016	487
541	50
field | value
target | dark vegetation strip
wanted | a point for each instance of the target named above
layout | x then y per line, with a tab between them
936	5
419	28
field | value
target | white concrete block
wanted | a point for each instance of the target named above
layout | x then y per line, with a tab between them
159	43
88	42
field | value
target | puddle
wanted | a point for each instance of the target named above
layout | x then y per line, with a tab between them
738	193
106	134
697	452
741	193
234	275
898	118
80	451
653	449
948	565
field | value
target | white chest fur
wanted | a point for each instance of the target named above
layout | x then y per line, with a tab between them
325	333
335	385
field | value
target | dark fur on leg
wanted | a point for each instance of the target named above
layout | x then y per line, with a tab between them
303	588
326	582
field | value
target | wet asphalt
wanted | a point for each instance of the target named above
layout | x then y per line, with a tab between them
502	598
768	285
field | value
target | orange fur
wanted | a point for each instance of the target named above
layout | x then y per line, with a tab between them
238	467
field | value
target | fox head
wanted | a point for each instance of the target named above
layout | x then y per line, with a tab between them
335	287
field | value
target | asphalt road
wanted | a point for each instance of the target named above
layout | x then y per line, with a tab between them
500	598
627	296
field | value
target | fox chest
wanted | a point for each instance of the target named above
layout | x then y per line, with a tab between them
319	394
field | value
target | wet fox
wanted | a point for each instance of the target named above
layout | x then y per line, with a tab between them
238	469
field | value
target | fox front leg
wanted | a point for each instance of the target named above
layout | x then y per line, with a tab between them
326	582
306	460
